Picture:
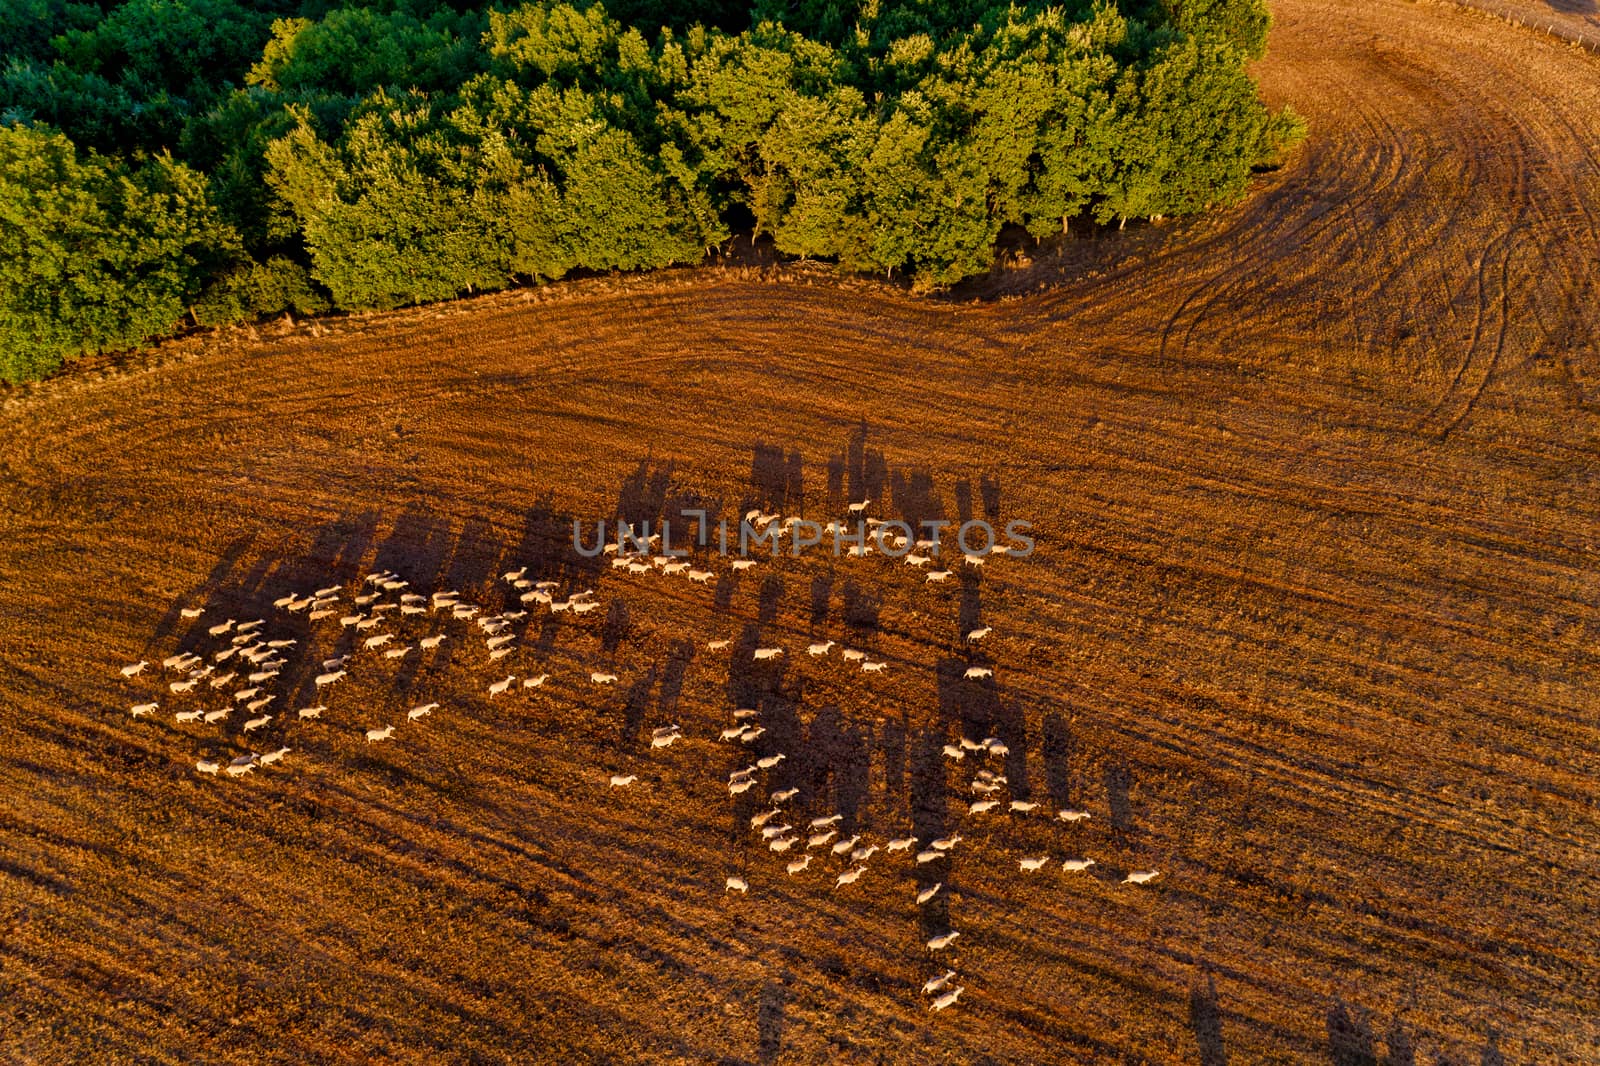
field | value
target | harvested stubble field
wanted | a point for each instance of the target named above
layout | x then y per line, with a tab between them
1311	628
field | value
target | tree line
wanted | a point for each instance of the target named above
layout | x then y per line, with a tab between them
210	161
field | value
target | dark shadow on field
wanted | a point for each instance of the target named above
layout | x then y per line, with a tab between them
913	495
821	594
971	607
1350	1040
929	822
679	656
749	681
1401	1052
862	470
837	752
635	703
1205	1019
893	745
769	599
1057	746
1491	1051
769	1022
860	611
1119	785
778	479
989	488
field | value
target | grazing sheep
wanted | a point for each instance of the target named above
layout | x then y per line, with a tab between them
751	733
190	612
767	653
939	943
500	686
737	884
732	734
820	649
759	820
623	780
743	564
270	757
494	656
977	673
873	668
1032	865
946	843
771	760
817	840
1077	865
312	712
737	787
242	765
140	710
768	832
929	856
208	766
936	984
535	682
798	865
218	630
603	679
982	806
421	711
822	823
135	669
853	656
1141	877
953	752
782	843
863	854
717	645
330	678
188	716
948	999
217	716
928	893
903	844
184	686
979	634
845	845
936	575
1023	806
784	795
913	559
255	705
256	723
849	877
380	734
701	577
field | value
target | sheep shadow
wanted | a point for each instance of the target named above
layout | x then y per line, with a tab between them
769	1023
1205	1020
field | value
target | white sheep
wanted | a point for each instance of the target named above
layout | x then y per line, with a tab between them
380	734
1077	865
928	893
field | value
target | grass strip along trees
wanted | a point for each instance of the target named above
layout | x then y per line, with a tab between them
210	161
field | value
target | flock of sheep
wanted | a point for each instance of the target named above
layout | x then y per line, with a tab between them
233	675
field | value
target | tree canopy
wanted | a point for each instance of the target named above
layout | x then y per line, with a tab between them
223	159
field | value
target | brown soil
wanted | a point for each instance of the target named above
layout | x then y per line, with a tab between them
1311	628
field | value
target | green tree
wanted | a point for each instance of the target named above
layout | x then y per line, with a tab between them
95	256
